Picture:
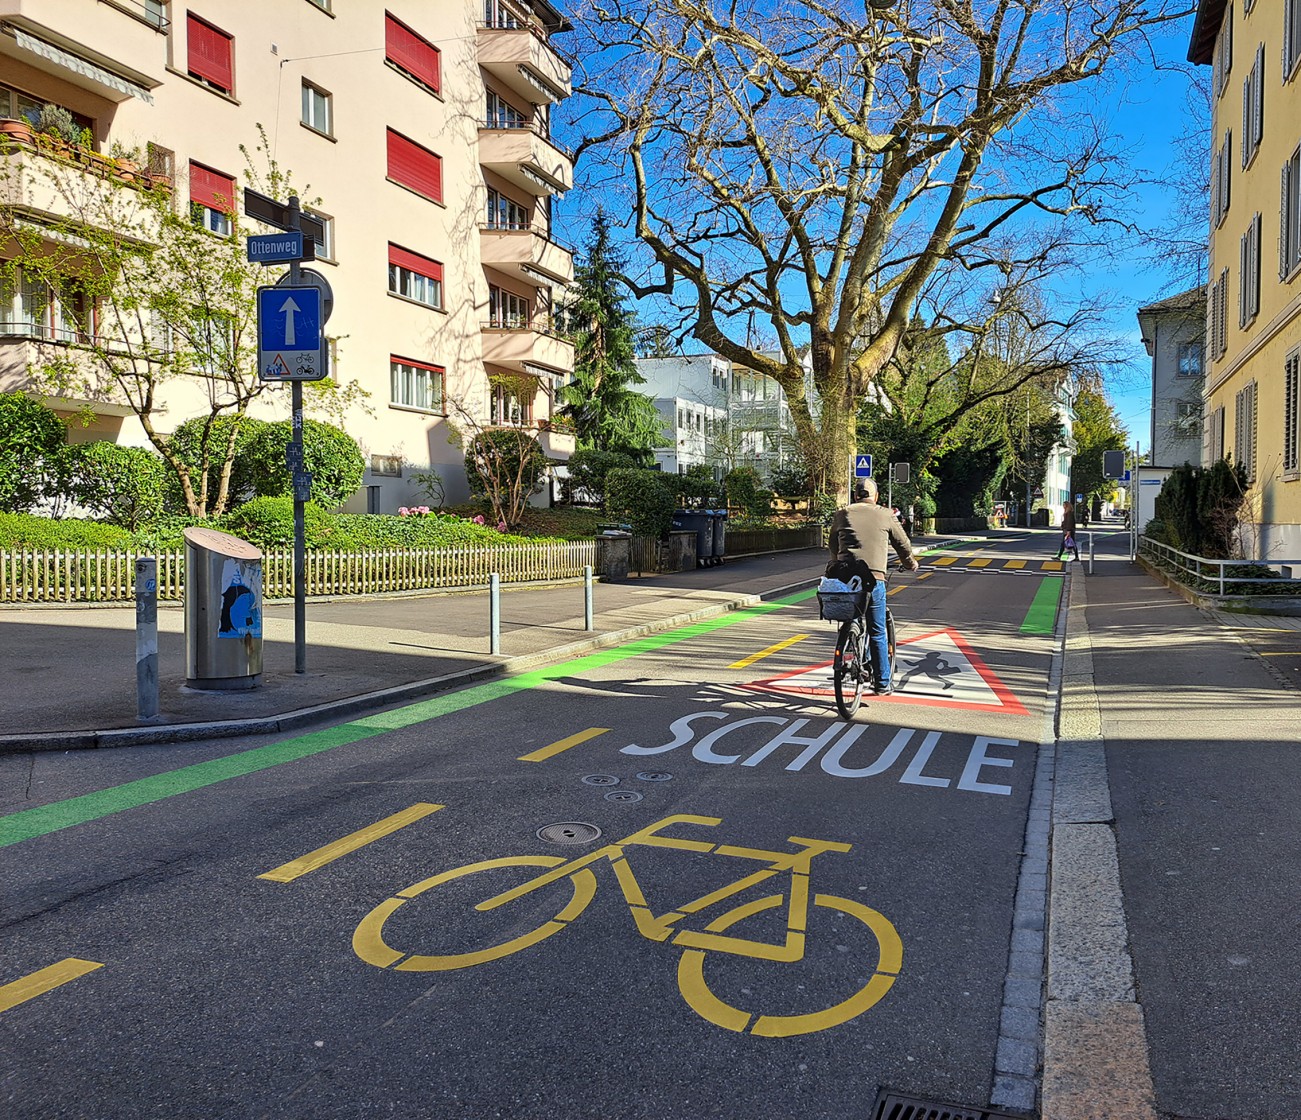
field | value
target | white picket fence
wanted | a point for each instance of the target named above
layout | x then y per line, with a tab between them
86	576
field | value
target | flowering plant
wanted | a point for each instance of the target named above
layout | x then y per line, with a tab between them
413	511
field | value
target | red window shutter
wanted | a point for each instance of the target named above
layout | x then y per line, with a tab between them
414	166
404	258
210	53
212	188
417	56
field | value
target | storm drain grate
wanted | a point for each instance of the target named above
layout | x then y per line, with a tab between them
896	1106
569	832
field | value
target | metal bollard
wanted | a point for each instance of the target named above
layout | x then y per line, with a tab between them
494	613
588	623
1090	554
146	639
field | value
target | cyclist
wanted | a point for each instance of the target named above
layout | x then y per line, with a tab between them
857	543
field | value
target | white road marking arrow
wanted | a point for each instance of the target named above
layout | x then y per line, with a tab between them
289	307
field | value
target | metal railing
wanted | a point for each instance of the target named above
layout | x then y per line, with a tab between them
1224	577
106	576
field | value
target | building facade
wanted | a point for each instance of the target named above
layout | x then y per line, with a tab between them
1253	304
1173	333
424	130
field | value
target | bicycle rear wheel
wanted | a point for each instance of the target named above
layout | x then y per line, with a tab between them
847	669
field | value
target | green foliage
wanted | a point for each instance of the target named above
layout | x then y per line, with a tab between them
966	476
696	488
640	498
269	523
1199	508
432	530
121	485
201	445
330	455
1096	429
608	414
588	469
791	480
56	121
823	508
32	438
505	465
746	489
24	530
430	484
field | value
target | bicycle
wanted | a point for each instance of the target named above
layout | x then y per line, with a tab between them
368	940
852	668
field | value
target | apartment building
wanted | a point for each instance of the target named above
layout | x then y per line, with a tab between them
424	129
1173	331
1253	356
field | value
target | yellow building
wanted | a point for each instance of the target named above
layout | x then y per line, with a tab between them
423	129
1253	314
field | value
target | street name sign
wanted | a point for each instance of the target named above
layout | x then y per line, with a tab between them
290	343
277	248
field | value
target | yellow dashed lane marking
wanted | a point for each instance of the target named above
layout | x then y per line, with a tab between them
543	753
745	662
288	872
43	980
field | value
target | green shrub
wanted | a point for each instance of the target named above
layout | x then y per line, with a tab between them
25	530
505	465
1199	508
432	530
269	523
32	438
697	488
121	485
330	455
641	498
746	489
190	442
791	481
587	471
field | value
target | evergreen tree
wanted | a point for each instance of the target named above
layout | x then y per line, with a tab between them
608	414
1096	429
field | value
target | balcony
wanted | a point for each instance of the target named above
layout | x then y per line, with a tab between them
530	348
522	59
557	442
526	254
522	156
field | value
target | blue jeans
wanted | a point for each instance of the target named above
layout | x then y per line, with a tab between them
877	643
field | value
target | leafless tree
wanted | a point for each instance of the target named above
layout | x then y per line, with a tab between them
815	163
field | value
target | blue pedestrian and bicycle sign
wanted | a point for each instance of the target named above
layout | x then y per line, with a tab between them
862	466
289	339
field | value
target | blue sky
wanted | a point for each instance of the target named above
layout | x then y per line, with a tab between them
1147	112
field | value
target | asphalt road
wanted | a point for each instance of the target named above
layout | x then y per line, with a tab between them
763	910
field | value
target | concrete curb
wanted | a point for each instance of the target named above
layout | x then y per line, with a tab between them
369	701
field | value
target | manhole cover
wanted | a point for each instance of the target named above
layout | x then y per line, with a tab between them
569	832
623	795
896	1106
655	776
601	780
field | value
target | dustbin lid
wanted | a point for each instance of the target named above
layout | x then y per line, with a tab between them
214	540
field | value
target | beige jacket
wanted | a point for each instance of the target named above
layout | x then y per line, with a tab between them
862	531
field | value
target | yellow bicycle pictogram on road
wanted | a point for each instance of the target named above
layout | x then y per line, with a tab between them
368	939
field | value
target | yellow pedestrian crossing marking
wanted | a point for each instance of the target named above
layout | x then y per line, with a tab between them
543	753
1052	566
980	563
294	869
44	980
944	561
746	662
993	564
1015	564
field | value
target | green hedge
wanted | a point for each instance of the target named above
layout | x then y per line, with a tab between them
641	498
25	530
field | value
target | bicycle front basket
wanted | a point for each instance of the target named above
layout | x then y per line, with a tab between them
837	606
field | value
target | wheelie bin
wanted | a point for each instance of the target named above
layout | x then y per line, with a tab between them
699	521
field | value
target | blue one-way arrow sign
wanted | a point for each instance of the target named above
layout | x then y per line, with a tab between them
290	343
862	466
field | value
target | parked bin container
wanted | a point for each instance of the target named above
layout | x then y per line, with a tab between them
719	518
223	611
699	521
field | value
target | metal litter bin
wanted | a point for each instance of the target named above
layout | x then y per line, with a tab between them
719	519
698	521
223	611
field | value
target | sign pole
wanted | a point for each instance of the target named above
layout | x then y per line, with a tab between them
300	534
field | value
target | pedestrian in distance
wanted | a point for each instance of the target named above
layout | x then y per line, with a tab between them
1068	544
859	537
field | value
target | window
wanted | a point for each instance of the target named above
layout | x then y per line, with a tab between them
1188	417
500	113
1291	36
414	55
1244	428
415	167
31	308
210	54
1289	235
318	109
1292	413
1220	180
212	199
1223	60
161	161
1253	108
1188	359
156	13
1249	273
1216	315
415	277
506	213
416	385
506	310
325	243
1215	436
498	14
509	407
19	106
